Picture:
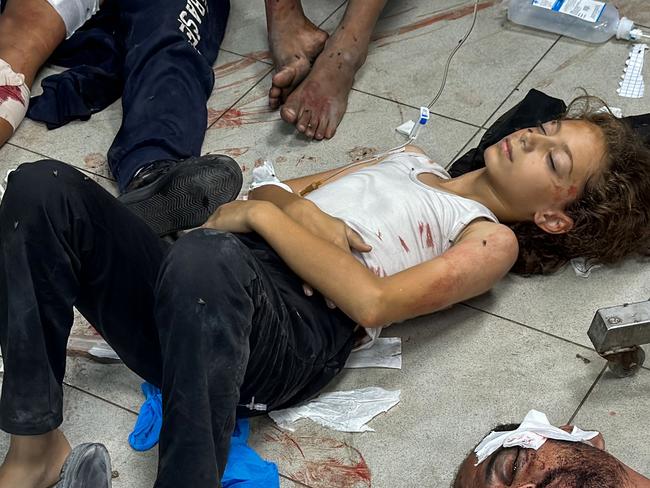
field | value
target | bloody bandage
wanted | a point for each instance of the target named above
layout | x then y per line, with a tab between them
14	95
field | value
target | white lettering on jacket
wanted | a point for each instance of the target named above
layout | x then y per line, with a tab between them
191	18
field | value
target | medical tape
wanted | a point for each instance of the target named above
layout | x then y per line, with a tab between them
533	432
264	174
14	95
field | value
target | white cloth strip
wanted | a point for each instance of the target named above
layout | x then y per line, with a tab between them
74	13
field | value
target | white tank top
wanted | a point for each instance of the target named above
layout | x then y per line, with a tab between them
406	221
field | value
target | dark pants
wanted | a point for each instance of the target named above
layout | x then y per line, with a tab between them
170	47
214	320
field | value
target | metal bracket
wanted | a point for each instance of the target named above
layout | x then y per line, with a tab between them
617	332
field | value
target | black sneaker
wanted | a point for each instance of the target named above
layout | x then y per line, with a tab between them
87	465
177	195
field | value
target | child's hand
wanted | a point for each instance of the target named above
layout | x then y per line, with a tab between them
235	216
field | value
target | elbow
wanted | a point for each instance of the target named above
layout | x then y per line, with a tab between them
371	312
369	320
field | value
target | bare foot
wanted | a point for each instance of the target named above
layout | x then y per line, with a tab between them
295	42
317	106
34	461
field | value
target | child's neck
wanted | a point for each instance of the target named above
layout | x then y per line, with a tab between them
476	186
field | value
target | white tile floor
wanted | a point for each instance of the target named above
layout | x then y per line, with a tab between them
465	369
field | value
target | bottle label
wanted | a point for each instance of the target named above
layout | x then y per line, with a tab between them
589	10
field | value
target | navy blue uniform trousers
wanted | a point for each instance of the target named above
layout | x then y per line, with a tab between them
170	47
214	320
159	56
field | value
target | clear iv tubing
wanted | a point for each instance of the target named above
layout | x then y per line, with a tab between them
401	147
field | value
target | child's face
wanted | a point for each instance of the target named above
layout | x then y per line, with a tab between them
545	167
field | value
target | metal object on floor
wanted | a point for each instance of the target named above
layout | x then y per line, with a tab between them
617	334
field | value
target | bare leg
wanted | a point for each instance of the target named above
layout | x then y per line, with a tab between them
30	31
295	42
318	104
34	461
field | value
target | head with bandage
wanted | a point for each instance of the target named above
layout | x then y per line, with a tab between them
535	454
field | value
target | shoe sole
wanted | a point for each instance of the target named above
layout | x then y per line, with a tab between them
187	195
89	465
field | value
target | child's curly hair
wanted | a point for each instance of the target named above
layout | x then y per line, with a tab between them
612	217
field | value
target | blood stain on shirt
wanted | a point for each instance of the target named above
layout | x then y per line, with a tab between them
378	270
404	245
426	237
9	92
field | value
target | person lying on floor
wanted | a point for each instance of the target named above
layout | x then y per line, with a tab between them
538	455
167	78
219	320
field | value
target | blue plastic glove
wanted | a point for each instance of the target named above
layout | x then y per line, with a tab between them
245	468
146	432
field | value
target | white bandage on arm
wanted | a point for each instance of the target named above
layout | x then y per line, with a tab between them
74	13
14	95
264	174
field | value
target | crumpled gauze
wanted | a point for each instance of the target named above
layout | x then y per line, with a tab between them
386	352
531	434
345	411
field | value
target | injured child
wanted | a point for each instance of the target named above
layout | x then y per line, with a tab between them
535	454
219	319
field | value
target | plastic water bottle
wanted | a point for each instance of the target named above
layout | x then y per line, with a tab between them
585	20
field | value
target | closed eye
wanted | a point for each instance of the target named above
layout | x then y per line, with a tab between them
551	162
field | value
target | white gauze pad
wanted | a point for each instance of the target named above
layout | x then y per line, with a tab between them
14	95
74	13
533	432
264	174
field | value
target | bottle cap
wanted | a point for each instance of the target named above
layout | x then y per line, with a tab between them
625	26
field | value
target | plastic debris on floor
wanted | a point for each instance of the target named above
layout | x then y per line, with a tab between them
386	352
345	411
584	267
632	84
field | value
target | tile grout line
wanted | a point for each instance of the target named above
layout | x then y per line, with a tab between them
530	327
94	395
299	483
575	413
521	81
271	64
244	56
54	159
332	14
416	108
463	149
239	99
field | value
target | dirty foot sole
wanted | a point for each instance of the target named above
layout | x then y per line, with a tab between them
187	195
